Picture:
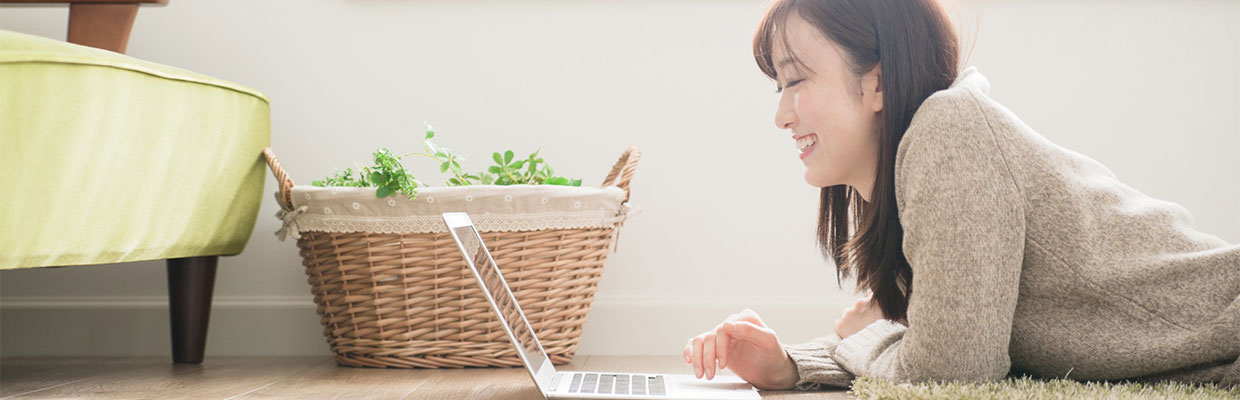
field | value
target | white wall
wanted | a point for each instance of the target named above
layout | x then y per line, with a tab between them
1149	88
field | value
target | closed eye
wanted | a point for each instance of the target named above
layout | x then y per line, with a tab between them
790	84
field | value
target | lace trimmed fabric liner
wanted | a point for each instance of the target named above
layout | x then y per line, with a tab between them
492	208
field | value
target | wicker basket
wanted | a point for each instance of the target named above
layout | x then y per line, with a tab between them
407	300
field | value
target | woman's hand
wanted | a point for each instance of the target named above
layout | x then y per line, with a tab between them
863	313
743	344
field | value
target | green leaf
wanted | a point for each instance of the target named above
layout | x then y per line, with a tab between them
317	183
454	182
498	159
434	148
508	156
456	164
382	192
494	169
575	182
488	179
444	167
518	164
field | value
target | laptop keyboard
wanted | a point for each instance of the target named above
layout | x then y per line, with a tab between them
646	385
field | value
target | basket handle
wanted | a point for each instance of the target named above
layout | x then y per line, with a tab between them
622	173
286	183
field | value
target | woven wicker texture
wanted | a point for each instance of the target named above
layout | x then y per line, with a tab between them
409	300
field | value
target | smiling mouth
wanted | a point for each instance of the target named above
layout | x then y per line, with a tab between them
807	141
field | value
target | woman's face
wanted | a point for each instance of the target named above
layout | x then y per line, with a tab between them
832	114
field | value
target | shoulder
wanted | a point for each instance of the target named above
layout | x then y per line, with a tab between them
946	120
953	141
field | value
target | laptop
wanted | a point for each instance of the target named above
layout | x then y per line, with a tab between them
575	384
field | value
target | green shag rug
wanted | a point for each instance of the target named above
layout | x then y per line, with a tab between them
1027	388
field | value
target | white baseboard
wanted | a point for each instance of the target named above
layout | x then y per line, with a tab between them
288	326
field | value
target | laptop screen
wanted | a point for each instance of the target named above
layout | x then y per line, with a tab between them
510	312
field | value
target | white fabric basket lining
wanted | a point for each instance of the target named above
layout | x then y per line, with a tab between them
492	208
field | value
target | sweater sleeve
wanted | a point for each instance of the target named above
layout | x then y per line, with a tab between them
816	367
964	227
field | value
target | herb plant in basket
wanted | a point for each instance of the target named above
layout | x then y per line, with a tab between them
388	174
390	286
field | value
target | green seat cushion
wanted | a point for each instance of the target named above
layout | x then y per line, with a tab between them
107	158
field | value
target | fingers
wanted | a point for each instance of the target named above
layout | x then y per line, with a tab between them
700	351
697	356
749	332
689	352
709	351
708	356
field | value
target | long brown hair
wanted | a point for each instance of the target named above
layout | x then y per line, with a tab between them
916	46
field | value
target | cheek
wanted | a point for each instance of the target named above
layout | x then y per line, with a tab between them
824	116
841	133
810	110
802	106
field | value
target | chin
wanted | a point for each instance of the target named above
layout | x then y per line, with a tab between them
819	181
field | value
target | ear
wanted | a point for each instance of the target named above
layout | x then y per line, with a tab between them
872	88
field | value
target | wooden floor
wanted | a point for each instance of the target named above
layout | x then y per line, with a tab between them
296	378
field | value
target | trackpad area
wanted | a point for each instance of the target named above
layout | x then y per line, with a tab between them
721	388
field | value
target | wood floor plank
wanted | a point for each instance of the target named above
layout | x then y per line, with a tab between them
478	383
218	378
329	381
484	383
300	378
25	375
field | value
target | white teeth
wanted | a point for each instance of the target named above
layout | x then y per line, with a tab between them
806	142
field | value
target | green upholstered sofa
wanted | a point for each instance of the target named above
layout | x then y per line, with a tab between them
106	158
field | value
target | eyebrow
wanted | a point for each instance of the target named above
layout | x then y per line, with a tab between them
784	62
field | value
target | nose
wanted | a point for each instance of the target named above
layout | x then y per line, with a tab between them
785	115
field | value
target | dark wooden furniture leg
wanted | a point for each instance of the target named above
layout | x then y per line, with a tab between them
190	283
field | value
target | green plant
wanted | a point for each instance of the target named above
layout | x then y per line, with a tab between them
389	176
447	159
507	172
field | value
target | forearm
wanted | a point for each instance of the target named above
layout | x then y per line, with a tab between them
814	365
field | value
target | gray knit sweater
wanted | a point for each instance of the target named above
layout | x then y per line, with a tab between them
1030	258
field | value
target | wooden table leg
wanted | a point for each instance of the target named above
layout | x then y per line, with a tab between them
190	283
102	25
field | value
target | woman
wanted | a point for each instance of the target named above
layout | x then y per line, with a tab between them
986	249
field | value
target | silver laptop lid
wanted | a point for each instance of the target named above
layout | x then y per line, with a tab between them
496	290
